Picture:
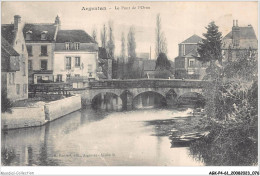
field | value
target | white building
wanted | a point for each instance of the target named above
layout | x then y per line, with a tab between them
75	57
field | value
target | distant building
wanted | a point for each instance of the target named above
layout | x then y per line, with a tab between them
14	60
186	64
40	43
144	56
75	56
240	39
149	68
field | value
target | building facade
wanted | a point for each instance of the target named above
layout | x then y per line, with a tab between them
186	64
16	79
75	56
40	43
238	41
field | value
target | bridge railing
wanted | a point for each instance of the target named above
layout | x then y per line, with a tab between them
147	83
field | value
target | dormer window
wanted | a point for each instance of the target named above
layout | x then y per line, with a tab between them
67	46
28	35
77	46
44	35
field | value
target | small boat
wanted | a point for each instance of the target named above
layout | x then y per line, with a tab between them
186	139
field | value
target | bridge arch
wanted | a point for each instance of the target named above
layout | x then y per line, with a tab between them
107	101
192	98
149	98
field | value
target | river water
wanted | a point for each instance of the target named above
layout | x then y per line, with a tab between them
96	138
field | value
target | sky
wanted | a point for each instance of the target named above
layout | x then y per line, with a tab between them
180	20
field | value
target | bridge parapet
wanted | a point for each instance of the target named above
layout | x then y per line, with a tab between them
147	83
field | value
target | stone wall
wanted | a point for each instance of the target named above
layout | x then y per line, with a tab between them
36	116
23	117
59	108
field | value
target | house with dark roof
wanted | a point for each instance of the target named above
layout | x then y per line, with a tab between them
40	42
238	40
75	57
14	60
149	68
186	64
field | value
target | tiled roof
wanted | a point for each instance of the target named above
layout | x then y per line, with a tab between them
7	31
37	29
149	65
74	36
247	38
7	49
245	33
193	39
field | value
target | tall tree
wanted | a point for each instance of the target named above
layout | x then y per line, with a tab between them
210	48
162	62
131	45
104	37
123	47
161	44
111	43
94	34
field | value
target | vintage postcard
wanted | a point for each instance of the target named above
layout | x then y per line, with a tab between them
129	84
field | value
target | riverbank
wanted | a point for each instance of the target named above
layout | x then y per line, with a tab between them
40	113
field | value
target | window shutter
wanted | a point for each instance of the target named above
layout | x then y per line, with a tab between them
65	59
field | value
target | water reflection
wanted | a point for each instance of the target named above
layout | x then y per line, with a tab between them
107	101
149	100
95	138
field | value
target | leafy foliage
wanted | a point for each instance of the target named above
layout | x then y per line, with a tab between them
231	106
210	48
162	62
131	45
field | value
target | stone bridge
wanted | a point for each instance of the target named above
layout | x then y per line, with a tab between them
127	90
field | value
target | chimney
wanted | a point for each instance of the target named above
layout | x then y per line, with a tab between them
17	21
235	33
57	21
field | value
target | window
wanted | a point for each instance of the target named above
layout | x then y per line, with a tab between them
67	46
25	88
77	75
22	47
77	46
10	78
191	62
29	50
68	62
77	61
18	89
44	50
24	69
44	35
59	78
28	35
68	76
30	64
89	68
44	64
